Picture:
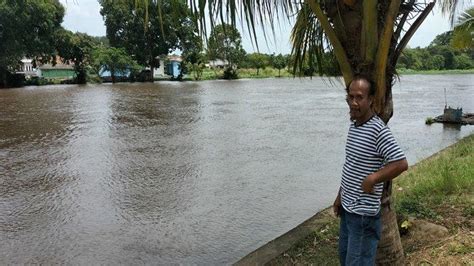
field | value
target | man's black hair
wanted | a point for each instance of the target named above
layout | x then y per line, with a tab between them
371	84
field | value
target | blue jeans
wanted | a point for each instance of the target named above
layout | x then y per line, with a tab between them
358	238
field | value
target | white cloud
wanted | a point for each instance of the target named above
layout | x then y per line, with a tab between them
83	16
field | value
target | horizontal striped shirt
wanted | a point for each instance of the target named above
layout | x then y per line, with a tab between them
368	148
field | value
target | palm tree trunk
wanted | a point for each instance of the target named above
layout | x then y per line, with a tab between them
389	250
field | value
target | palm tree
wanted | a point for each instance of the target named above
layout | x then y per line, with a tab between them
365	36
464	30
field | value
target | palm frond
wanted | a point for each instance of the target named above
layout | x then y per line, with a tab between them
464	30
209	13
451	7
309	40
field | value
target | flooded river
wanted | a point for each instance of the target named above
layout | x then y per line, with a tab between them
187	173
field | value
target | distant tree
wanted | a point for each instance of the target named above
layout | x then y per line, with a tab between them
463	61
115	60
192	51
410	58
27	30
434	62
143	31
279	62
76	48
101	41
225	42
448	53
257	61
442	39
195	63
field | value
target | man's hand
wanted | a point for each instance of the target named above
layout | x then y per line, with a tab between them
388	172
368	183
336	206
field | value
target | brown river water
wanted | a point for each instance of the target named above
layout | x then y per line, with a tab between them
185	173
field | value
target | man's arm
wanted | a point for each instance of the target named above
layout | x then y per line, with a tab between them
388	172
337	203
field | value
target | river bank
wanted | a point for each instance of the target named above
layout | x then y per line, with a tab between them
209	74
247	73
437	191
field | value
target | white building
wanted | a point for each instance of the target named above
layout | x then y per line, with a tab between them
26	68
217	63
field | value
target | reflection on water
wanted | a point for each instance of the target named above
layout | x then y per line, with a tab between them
190	173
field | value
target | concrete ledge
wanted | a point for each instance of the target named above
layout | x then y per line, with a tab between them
284	242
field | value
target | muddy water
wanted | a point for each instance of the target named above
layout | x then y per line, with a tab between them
189	173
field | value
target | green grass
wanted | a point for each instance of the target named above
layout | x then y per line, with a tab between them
211	74
445	179
429	120
318	248
439	188
404	71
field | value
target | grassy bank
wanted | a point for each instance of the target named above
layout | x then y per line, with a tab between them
405	71
439	189
210	74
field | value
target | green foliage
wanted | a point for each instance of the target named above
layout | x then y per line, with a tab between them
225	42
193	58
463	61
27	28
429	120
115	60
413	206
434	181
279	62
257	61
76	48
230	73
147	31
442	39
195	65
439	55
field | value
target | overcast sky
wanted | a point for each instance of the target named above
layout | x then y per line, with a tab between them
84	16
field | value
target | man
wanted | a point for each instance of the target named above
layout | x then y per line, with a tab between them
372	157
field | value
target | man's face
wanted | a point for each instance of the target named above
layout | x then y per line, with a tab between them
359	100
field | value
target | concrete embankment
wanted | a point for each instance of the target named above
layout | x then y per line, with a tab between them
284	242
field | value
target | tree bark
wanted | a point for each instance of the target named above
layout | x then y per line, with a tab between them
3	78
389	250
112	75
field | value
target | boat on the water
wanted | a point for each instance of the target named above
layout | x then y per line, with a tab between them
455	116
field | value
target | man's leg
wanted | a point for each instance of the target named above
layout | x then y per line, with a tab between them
343	237
364	235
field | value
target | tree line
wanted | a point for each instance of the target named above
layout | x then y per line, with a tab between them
138	36
439	55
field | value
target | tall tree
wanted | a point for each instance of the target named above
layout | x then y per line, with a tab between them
76	48
279	62
147	31
257	61
27	29
225	43
192	47
114	60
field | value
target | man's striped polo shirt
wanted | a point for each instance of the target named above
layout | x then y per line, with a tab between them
369	147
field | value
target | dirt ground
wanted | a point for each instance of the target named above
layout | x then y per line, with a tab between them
456	248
